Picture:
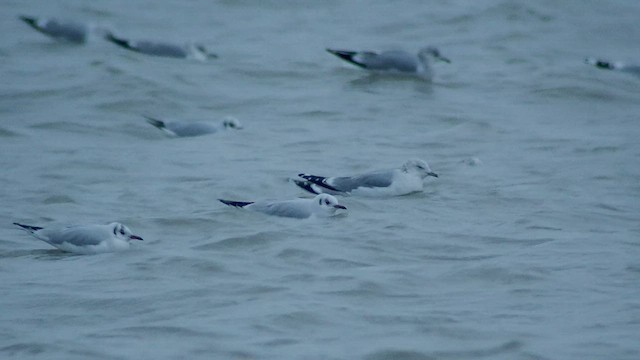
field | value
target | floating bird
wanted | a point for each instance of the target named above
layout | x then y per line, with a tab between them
186	129
404	180
608	65
396	61
323	205
64	30
84	239
189	50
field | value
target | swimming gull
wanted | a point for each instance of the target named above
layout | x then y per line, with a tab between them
396	61
188	50
400	181
186	129
323	205
617	65
65	30
84	239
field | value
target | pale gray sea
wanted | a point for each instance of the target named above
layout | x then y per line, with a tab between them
526	247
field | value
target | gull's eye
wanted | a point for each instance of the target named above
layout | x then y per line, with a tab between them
121	231
327	202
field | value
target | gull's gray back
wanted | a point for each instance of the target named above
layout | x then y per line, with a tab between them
292	209
160	49
370	180
67	30
632	69
76	235
390	60
191	129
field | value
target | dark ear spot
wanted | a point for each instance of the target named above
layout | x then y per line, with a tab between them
115	228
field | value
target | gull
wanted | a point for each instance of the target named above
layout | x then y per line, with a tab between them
396	61
617	65
323	205
186	129
407	179
189	50
84	239
63	29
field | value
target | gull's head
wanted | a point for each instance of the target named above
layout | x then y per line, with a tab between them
419	167
432	52
122	232
229	122
603	64
328	203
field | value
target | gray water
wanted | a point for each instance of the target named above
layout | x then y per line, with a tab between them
525	247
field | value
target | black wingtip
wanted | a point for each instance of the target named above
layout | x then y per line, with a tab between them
29	20
155	122
239	204
118	41
344	54
306	185
347	56
28	227
318	180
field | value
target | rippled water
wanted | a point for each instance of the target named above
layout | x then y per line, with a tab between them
525	247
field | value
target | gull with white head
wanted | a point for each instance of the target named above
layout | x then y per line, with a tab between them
84	239
322	205
407	179
190	50
614	65
188	129
396	61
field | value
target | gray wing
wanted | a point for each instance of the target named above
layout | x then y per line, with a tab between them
336	185
191	129
370	180
282	208
69	31
77	235
159	49
632	69
390	60
66	30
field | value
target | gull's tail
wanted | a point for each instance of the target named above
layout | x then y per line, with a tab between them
118	41
306	185
347	56
156	122
28	228
31	21
318	180
239	204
